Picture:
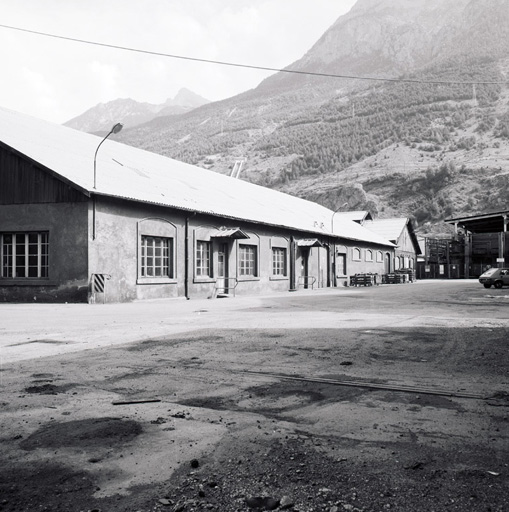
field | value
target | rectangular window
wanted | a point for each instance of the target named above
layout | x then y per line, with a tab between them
278	261
24	255
156	256
203	260
247	260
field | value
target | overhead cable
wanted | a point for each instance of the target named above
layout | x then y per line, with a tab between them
261	68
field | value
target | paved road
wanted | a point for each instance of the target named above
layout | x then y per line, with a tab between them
39	330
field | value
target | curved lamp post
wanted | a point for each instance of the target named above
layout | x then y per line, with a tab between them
332	219
116	128
334	277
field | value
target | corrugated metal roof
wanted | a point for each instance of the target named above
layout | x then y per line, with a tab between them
309	242
130	173
356	216
236	233
390	229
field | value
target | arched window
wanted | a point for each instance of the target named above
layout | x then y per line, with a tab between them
156	250
356	254
369	255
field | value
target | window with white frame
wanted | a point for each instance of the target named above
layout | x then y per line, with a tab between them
369	255
356	254
248	260
203	259
156	257
379	256
279	261
24	255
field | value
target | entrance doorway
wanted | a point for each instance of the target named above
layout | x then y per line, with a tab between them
387	264
304	266
222	268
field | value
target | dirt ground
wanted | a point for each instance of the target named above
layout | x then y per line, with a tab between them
364	399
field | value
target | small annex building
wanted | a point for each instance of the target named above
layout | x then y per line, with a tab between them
399	230
144	226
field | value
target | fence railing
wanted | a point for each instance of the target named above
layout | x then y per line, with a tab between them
224	285
307	281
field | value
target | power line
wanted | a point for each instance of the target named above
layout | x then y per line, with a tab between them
248	66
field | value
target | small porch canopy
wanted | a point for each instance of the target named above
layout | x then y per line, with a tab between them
232	233
309	242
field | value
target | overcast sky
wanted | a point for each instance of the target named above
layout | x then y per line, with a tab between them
57	80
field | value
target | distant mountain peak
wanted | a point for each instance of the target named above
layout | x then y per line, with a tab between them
131	113
186	98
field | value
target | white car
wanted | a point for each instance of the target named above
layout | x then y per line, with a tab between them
496	277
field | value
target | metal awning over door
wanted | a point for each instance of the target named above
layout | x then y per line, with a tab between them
309	242
233	233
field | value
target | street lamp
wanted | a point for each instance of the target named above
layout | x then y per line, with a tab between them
332	219
116	128
333	246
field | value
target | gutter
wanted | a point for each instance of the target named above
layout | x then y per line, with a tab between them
186	256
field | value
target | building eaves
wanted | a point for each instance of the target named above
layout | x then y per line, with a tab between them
137	175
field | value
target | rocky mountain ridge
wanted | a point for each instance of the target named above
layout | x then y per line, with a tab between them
428	146
130	113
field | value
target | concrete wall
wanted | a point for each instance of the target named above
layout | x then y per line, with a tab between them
103	237
66	224
369	258
114	250
262	238
405	256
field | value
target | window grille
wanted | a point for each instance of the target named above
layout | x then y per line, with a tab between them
156	256
247	260
278	261
203	260
24	255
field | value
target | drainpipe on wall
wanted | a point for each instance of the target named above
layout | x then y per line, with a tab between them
186	257
292	264
94	235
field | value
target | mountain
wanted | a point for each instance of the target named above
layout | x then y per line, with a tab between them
426	144
130	113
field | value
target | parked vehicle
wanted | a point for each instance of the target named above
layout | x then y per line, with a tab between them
496	277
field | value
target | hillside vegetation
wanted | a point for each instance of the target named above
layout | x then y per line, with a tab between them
424	150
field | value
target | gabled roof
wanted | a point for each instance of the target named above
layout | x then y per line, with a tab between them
391	229
358	216
234	233
309	242
134	174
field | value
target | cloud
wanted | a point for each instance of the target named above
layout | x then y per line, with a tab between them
41	90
